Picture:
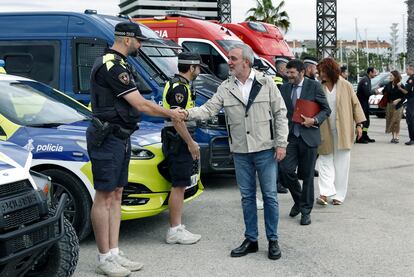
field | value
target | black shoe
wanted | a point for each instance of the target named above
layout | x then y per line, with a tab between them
362	140
274	250
316	174
281	189
245	248
370	139
294	211
411	142
305	219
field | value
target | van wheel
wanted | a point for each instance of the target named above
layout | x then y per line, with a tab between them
61	259
78	205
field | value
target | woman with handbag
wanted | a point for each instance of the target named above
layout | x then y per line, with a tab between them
395	93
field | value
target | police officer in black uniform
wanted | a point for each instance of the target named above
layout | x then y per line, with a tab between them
363	93
179	147
410	103
116	103
310	67
281	77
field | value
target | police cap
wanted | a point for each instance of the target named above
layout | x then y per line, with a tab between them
283	59
129	29
310	60
190	58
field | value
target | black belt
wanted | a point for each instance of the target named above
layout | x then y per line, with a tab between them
120	132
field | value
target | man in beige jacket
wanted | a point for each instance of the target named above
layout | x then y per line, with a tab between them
257	127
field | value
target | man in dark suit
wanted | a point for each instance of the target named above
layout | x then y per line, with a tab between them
303	139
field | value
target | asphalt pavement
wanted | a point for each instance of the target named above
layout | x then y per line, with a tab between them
371	234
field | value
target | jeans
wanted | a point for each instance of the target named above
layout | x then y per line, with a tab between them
246	166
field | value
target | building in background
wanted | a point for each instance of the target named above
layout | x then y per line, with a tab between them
209	9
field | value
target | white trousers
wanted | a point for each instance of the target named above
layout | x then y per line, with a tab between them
334	171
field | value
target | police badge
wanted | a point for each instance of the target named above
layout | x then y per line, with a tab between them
179	97
124	78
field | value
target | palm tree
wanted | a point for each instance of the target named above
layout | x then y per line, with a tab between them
266	12
410	31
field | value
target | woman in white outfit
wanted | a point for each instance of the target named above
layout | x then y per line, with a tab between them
337	133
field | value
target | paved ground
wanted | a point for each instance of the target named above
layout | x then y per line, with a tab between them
371	234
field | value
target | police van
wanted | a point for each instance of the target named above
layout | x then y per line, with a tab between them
59	49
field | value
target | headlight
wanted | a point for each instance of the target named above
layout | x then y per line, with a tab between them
139	153
213	122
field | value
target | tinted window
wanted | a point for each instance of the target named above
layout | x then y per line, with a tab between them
37	60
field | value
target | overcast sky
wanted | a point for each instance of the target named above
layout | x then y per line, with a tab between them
376	16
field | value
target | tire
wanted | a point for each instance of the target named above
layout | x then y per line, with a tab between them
61	259
78	206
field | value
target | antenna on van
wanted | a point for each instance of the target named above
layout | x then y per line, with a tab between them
186	14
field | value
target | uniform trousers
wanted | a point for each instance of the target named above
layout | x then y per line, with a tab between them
334	171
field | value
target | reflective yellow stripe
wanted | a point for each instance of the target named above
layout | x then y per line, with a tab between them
9	127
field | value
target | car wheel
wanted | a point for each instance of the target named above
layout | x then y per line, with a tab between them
78	205
61	259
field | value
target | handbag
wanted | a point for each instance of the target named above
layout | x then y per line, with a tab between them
383	102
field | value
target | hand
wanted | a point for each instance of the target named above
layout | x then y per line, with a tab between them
280	153
178	114
307	121
358	132
396	101
194	150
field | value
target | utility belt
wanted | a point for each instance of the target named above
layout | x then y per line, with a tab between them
103	129
172	143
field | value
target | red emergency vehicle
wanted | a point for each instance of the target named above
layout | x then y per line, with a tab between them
265	39
212	41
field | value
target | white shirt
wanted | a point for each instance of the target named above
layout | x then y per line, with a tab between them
299	88
246	87
331	97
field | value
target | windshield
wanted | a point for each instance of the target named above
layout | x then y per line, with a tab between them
30	103
164	58
226	44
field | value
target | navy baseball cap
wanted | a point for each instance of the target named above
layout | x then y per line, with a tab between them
129	29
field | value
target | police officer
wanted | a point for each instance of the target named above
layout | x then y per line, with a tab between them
410	103
363	93
310	67
281	75
115	103
179	146
344	71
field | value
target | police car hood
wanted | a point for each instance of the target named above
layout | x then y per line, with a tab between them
13	157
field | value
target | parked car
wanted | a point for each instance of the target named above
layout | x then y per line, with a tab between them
35	238
52	126
378	83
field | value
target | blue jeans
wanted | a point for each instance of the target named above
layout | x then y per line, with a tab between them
264	164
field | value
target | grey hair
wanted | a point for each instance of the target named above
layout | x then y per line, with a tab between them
247	52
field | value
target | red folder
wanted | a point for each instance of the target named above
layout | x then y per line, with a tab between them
307	108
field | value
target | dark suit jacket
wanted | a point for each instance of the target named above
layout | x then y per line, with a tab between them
311	90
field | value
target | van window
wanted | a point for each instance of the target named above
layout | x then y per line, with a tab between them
210	56
86	54
38	60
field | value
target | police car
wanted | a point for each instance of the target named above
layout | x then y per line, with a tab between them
52	126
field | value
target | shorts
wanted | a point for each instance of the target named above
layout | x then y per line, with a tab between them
110	162
180	167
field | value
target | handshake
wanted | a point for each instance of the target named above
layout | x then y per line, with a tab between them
178	114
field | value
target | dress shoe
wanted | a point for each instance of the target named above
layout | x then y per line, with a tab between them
316	174
281	189
245	248
362	140
305	219
274	250
294	211
370	139
411	142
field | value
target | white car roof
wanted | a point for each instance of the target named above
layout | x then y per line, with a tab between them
9	77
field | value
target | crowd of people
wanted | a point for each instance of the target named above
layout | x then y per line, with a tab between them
265	136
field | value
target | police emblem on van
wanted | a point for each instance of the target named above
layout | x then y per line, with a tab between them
124	78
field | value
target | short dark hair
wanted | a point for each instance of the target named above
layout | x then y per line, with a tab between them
370	69
298	64
344	68
184	68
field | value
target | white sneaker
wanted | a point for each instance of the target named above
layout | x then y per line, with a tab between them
111	269
259	204
182	236
123	261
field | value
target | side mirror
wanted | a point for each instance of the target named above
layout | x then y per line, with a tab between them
223	71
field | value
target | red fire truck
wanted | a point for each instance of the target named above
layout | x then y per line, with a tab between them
265	39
